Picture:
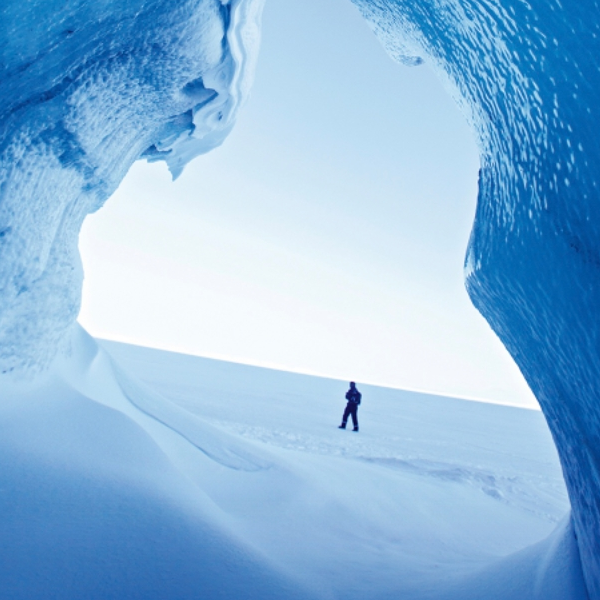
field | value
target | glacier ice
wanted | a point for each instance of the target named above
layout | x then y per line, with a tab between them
527	74
86	88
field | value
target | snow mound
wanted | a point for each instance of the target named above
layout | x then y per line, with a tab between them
96	502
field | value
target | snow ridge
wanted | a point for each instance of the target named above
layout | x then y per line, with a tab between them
217	445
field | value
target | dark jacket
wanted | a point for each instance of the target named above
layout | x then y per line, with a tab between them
354	396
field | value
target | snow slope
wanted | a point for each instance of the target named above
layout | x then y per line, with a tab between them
430	491
241	486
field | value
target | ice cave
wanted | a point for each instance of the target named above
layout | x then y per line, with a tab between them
89	87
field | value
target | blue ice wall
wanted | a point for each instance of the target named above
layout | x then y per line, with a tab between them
86	88
527	74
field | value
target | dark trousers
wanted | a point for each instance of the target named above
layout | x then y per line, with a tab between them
351	409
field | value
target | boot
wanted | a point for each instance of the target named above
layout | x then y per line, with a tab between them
356	428
342	426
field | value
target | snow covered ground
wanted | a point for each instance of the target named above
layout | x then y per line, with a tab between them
430	489
172	476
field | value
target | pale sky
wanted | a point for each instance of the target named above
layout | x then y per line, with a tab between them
326	236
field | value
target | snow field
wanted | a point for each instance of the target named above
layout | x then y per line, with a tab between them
431	491
158	475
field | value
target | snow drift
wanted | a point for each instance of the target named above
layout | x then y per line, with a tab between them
86	88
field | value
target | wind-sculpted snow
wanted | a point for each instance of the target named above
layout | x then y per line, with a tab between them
527	74
86	88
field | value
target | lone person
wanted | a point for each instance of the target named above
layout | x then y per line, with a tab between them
353	396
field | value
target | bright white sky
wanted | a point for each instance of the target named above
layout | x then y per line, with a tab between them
327	234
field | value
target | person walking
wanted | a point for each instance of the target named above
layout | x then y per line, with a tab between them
353	396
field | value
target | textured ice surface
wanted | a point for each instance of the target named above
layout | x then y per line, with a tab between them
527	74
86	88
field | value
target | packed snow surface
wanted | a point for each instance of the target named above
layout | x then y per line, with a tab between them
171	476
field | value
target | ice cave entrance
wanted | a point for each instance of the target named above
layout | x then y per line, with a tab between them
285	235
338	209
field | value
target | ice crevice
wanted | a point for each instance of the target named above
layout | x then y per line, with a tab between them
87	88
